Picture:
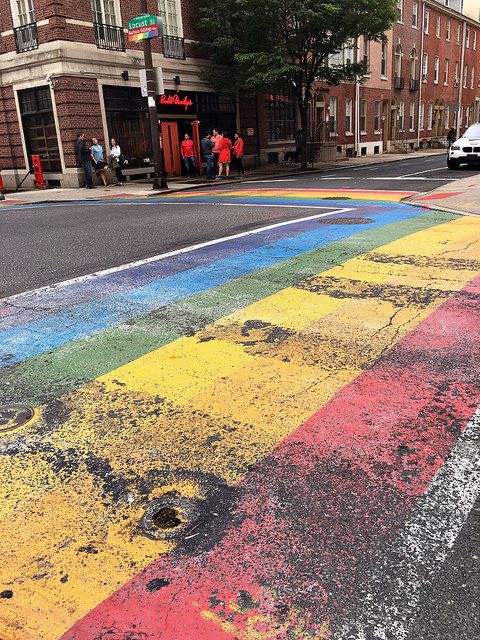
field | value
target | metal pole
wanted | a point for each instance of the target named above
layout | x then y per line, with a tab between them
159	180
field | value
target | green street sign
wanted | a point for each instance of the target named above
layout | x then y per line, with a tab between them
144	26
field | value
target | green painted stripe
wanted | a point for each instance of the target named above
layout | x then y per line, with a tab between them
41	379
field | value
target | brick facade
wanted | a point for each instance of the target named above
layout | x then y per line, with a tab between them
77	70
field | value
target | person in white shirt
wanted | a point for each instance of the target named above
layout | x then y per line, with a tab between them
115	161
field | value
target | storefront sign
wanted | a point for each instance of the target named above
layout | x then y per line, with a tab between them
144	26
175	100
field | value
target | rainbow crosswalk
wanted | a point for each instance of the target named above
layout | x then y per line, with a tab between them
265	385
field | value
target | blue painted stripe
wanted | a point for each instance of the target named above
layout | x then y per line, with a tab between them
84	320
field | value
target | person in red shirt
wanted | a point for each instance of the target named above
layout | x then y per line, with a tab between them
238	151
225	156
216	138
188	154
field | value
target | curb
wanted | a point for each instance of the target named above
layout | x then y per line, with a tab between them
431	207
253	178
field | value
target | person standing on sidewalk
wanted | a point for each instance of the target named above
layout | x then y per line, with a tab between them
85	157
187	151
116	161
207	150
217	139
451	137
238	154
98	161
225	156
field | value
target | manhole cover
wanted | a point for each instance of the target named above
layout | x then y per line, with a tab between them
167	517
13	416
345	221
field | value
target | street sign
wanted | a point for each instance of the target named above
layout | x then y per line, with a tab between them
144	26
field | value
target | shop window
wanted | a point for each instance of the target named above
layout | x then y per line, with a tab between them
127	122
281	116
39	127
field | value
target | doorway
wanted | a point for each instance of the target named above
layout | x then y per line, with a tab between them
171	149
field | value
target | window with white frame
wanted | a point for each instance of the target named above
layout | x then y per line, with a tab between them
383	66
411	117
458	34
366	50
426	21
377	115
332	119
425	67
457	77
472	79
436	69
398	60
449	30
348	115
413	63
401	116
170	12
415	14
363	116
106	12
465	76
447	118
430	116
446	71
23	12
421	116
460	116
467	38
474	40
438	27
399	10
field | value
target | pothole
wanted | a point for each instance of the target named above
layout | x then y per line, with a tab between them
13	416
166	518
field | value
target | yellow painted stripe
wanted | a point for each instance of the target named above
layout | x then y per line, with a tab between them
299	194
211	404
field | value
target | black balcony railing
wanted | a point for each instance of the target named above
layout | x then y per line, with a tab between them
26	37
109	37
414	84
398	82
174	47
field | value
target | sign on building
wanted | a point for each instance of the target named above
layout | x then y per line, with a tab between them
144	26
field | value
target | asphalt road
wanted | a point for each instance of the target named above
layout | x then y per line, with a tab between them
42	245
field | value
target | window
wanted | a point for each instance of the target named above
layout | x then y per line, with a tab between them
446	71
399	10
447	118
425	67
415	14
413	63
458	34
401	116
411	117
438	27
23	12
467	38
436	69
384	60
377	116
366	51
460	116
105	12
398	61
39	127
281	116
457	77
348	115
474	40
449	30
421	116
348	52
430	116
465	76
472	79
170	11
332	120
363	116
426	22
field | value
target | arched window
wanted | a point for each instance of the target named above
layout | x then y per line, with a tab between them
398	61
413	64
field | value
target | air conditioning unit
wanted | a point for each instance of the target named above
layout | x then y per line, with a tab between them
456	82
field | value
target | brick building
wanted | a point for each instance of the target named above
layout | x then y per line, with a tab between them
66	66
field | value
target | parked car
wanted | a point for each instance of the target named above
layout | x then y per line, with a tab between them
465	150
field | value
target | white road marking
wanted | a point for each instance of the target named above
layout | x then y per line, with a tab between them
423	545
177	252
274	180
412	178
425	171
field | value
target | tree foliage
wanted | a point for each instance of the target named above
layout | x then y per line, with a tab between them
262	44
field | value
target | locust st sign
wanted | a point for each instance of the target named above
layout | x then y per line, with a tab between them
144	26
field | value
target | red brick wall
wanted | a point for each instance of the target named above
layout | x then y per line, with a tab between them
11	152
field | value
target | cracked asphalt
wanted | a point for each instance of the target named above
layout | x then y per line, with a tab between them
264	427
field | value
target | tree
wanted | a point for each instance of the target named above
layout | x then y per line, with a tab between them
286	44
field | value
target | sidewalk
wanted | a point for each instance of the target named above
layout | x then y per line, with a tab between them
144	189
462	196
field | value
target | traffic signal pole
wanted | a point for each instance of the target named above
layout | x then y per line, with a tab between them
159	180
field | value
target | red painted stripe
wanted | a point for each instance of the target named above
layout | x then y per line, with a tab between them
311	517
